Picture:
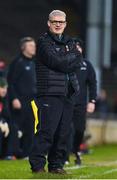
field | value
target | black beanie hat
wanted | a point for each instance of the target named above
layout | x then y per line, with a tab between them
3	82
79	42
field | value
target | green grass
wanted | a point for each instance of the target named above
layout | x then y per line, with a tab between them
101	164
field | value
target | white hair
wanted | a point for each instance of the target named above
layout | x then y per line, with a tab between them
57	13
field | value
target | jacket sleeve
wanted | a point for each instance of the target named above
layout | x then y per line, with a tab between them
12	78
6	116
92	83
55	61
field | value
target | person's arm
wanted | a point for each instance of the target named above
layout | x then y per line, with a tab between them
62	63
92	88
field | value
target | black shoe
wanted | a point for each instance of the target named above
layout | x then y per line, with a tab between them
78	160
39	171
58	171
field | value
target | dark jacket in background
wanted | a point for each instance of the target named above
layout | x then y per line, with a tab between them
22	85
55	65
22	78
4	110
87	82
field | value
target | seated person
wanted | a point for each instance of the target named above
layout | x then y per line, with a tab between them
4	115
8	134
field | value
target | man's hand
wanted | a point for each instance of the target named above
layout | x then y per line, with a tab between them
4	128
16	104
90	107
20	134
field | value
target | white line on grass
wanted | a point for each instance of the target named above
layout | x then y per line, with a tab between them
100	174
75	167
94	165
91	165
104	163
110	171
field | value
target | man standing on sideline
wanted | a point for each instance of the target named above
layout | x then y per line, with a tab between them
56	61
22	89
88	88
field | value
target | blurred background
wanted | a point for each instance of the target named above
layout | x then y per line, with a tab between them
94	21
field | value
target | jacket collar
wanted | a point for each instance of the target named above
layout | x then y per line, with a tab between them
63	40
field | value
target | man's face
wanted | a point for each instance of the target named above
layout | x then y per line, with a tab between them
57	24
30	48
3	91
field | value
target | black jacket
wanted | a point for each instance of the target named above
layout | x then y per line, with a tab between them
87	82
4	110
22	78
56	61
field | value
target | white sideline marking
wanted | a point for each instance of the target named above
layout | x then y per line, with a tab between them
92	165
75	167
104	163
110	171
96	174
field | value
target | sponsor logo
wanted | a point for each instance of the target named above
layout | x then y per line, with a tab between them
83	68
27	68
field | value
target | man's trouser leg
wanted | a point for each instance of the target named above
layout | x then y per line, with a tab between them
49	112
27	127
13	146
1	141
69	143
79	120
59	147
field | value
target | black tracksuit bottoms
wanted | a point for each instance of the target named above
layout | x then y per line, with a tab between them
55	115
79	122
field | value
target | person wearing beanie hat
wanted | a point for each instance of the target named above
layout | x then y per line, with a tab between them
4	127
3	82
8	131
84	101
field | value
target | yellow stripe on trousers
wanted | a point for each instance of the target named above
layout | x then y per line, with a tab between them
35	112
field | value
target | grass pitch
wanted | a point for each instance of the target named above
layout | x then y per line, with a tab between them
101	164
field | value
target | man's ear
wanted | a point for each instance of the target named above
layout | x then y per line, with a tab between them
23	47
65	24
48	23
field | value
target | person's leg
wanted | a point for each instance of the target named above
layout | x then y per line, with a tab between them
16	117
59	147
1	138
27	139
15	126
79	120
27	128
78	137
49	113
69	144
13	143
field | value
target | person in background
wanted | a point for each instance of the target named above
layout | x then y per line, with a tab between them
4	117
22	89
84	102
